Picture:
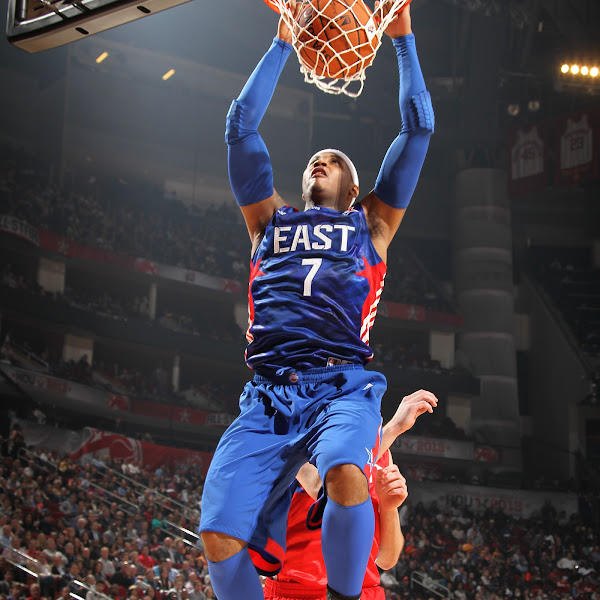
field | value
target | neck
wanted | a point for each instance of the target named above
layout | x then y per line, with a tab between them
327	202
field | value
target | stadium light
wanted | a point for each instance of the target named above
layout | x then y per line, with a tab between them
584	70
574	69
513	110
565	68
594	72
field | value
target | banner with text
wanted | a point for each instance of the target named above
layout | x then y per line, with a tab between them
431	447
518	503
211	282
31	380
10	224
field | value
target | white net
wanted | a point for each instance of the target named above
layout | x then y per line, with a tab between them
336	40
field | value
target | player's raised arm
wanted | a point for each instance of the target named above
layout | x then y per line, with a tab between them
249	164
386	204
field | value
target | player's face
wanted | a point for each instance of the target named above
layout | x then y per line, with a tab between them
327	181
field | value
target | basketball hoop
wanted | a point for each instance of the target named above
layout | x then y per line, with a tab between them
336	45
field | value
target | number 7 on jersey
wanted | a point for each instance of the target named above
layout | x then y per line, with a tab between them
315	264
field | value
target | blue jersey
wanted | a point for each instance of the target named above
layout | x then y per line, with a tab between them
315	283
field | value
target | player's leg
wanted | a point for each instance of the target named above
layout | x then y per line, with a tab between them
347	440
347	530
232	573
248	475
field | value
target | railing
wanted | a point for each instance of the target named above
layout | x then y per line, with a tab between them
41	463
182	530
33	561
133	509
127	506
425	581
28	559
164	501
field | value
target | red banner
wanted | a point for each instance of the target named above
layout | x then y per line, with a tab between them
578	148
407	312
528	159
440	318
487	454
66	247
129	450
177	414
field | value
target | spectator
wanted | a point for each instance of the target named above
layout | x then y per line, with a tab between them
7	582
178	591
125	576
196	592
108	567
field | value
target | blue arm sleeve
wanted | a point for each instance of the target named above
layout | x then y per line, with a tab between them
250	171
404	159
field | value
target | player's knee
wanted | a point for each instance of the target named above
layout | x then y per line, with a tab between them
346	485
219	546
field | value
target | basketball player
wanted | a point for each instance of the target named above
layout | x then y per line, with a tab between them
303	575
315	281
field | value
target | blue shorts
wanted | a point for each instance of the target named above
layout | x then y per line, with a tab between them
329	416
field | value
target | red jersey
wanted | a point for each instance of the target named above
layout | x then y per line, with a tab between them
303	575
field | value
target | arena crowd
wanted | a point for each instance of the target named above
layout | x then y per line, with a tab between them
122	530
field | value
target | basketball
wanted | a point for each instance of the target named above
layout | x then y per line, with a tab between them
335	38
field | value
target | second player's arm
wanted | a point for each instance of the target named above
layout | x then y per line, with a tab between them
391	490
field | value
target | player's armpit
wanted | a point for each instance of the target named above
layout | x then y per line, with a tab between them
383	221
258	215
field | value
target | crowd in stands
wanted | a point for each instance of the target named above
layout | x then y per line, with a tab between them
110	305
153	384
493	556
141	222
71	524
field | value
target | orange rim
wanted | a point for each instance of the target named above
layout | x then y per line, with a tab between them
272	5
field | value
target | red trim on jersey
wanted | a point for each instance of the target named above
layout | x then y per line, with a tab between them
375	274
254	273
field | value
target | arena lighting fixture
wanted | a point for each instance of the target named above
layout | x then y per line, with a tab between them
574	69
168	74
513	110
533	105
103	56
